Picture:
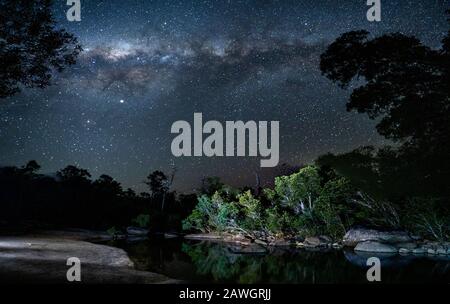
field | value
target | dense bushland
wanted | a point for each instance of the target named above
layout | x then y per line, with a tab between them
313	201
70	198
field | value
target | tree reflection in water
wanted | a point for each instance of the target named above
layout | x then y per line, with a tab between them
207	262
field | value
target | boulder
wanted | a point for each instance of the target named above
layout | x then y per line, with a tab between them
325	239
337	246
281	243
204	236
431	251
441	251
136	231
300	244
409	246
419	251
375	247
31	259
314	241
260	242
404	251
355	236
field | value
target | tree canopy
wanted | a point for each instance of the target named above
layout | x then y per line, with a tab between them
31	45
405	86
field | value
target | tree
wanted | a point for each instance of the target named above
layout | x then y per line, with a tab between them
31	167
407	89
73	174
108	186
405	83
157	182
31	48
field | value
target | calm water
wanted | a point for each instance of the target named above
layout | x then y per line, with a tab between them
206	262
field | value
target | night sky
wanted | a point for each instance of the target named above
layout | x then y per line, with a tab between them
147	64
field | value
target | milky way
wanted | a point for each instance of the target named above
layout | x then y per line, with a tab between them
147	64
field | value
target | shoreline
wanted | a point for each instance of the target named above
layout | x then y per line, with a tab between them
42	258
362	241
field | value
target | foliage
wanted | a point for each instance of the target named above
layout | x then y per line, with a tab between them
211	214
406	88
114	232
31	47
142	220
157	182
301	203
71	198
427	217
250	207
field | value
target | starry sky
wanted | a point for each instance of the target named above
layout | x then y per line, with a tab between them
147	64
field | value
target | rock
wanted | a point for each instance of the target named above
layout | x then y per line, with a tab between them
371	246
441	251
260	242
43	259
75	234
325	239
137	231
203	236
300	244
281	243
419	251
431	251
404	250
314	241
337	246
409	246
355	236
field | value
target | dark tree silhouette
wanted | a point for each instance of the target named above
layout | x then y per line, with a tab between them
407	83
31	167
407	89
157	181
31	47
74	174
107	186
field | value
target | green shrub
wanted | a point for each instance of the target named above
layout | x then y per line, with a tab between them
142	221
212	214
303	203
251	211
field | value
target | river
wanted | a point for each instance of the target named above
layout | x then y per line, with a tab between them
209	262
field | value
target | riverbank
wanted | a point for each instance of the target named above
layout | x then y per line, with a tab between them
42	257
360	240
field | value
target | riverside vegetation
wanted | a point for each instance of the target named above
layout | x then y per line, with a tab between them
315	201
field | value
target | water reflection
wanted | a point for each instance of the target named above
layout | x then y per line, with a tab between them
218	262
